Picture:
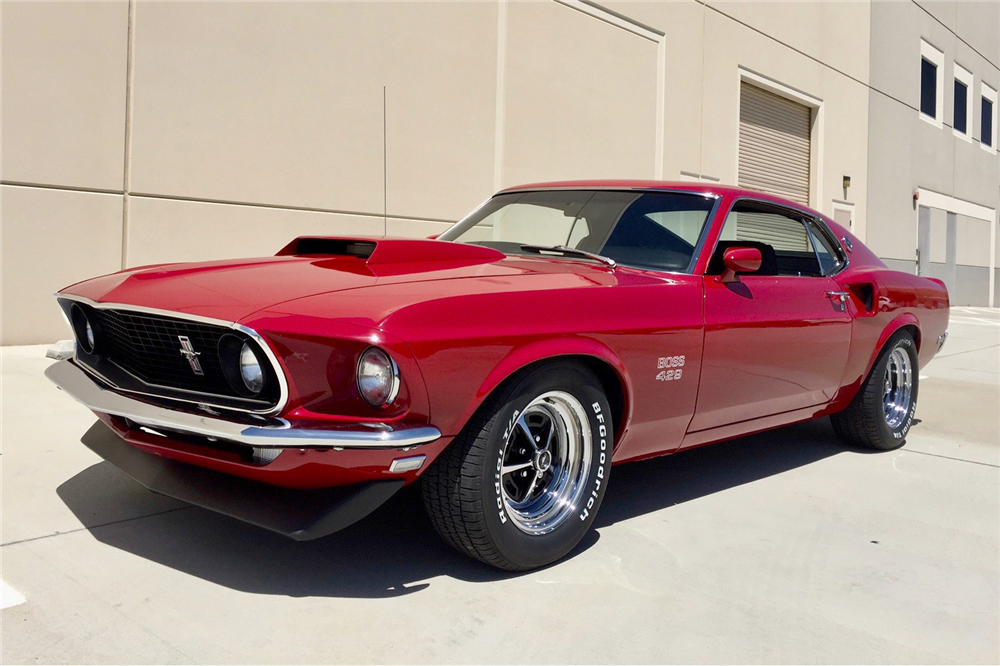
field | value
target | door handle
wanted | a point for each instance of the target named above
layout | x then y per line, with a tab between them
842	295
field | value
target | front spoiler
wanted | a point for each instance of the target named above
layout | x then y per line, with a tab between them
299	514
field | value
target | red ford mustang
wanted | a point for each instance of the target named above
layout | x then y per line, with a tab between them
557	330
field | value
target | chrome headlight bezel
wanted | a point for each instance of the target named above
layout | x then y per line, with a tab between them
381	359
234	353
84	329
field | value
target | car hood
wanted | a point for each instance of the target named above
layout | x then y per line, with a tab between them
234	290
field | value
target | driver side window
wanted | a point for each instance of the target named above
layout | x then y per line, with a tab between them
788	246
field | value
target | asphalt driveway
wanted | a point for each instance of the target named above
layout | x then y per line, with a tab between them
781	547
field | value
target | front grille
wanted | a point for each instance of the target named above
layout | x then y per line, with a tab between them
149	348
140	353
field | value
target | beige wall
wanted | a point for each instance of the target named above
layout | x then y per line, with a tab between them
141	132
907	153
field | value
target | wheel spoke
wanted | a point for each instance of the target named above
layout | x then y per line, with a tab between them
526	431
531	488
507	469
548	437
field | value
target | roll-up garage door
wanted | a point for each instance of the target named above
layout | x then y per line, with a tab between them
774	144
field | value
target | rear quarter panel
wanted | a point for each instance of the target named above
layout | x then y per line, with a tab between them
898	299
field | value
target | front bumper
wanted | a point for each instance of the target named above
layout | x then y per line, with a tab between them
299	514
277	434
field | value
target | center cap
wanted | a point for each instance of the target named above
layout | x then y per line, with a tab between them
543	460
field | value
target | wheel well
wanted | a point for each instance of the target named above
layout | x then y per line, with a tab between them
914	331
611	383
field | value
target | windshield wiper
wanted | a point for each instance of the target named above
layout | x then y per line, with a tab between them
565	249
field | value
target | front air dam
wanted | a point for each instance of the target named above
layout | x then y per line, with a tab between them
298	514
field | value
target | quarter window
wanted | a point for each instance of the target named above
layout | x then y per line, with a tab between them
827	254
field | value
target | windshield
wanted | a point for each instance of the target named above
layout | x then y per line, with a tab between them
657	230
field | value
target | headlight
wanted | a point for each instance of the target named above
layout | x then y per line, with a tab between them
378	377
244	367
83	329
250	370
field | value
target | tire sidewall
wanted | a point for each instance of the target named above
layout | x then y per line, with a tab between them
894	437
536	550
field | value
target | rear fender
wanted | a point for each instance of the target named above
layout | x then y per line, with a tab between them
905	319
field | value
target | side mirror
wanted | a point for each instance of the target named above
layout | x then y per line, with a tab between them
740	260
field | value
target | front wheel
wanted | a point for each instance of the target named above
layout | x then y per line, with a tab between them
521	485
882	412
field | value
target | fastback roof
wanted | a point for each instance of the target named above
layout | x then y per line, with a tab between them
632	184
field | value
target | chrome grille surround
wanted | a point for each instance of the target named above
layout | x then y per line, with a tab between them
123	317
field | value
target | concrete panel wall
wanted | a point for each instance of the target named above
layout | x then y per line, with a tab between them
971	287
580	97
902	266
165	230
52	238
64	71
210	130
834	33
907	153
972	242
841	141
282	103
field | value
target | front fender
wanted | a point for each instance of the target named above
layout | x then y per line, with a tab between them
533	352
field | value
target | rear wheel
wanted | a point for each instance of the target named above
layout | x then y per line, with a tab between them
882	412
521	485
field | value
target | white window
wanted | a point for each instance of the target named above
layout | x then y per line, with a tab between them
988	118
931	84
962	102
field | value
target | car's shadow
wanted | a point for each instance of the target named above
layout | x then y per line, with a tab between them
395	550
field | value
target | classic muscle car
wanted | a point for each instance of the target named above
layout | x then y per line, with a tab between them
559	329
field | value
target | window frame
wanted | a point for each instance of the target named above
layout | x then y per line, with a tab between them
964	77
936	58
702	237
796	212
988	93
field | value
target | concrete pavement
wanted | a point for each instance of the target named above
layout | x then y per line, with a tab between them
781	547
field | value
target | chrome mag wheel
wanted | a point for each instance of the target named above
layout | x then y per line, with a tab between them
897	391
546	462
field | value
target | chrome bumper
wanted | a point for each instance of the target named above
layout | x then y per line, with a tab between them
73	380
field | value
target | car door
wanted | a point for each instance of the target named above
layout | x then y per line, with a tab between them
776	340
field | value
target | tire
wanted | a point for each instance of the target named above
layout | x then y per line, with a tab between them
880	415
535	512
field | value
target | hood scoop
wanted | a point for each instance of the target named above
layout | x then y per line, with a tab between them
385	251
306	246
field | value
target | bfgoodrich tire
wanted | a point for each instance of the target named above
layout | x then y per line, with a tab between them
882	412
521	485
